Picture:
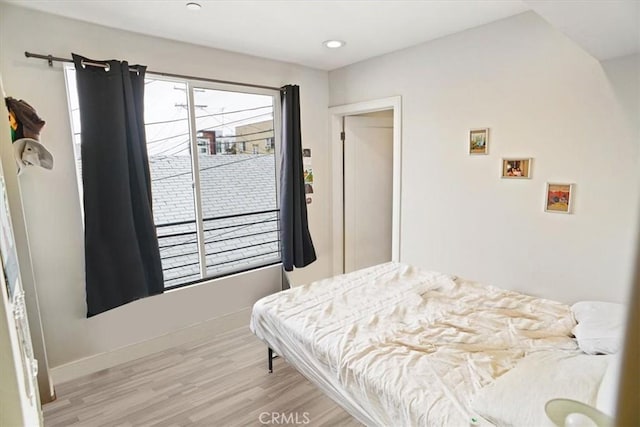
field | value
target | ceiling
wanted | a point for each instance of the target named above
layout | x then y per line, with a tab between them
604	28
293	30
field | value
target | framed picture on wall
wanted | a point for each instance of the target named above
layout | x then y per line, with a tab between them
308	175
516	168
558	197
479	141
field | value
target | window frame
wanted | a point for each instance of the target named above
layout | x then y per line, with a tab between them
192	85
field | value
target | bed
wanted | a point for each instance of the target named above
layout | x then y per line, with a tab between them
397	345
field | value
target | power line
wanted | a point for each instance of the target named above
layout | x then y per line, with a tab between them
208	128
243	134
208	115
179	144
165	153
186	148
236	121
252	126
248	140
157	132
218	137
167	138
247	125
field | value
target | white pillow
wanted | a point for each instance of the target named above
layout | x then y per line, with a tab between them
608	390
518	397
600	327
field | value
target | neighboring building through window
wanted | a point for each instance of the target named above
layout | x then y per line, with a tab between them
222	218
259	134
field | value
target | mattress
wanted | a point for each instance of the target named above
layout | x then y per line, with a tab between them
397	345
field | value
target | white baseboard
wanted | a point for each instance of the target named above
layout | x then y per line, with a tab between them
98	362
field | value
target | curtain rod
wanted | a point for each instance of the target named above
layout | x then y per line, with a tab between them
50	60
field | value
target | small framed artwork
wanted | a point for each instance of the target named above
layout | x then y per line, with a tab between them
308	175
558	198
479	141
516	168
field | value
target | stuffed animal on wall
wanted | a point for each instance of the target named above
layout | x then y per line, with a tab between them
25	134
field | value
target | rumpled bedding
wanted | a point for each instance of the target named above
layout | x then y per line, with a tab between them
396	345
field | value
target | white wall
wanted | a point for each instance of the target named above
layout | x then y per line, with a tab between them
542	97
51	202
623	75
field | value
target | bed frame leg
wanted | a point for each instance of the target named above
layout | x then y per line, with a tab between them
270	360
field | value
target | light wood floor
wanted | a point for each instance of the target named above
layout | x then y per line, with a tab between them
219	382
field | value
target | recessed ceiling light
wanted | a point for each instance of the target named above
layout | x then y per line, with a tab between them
193	6
334	44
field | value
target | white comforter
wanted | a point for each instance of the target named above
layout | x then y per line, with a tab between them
396	345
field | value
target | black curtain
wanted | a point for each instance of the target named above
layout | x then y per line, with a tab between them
297	247
121	247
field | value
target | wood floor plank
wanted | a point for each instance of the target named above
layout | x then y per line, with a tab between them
222	381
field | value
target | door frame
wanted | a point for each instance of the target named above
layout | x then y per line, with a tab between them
336	117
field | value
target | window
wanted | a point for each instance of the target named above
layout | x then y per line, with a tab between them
214	215
269	144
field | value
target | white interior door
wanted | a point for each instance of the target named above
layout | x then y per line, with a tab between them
368	190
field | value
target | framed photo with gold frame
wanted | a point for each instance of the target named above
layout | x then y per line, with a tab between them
479	141
517	168
558	197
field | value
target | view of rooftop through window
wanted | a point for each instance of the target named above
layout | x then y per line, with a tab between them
224	218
